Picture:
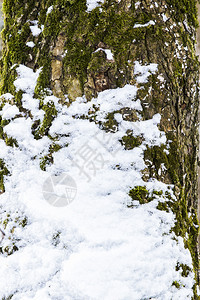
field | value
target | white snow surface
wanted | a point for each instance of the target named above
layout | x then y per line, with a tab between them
91	4
9	111
27	79
108	52
49	10
35	29
95	247
144	71
30	44
137	4
151	22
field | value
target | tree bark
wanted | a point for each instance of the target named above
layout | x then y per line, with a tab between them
71	52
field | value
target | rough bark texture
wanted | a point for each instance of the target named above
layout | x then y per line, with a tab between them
66	52
198	53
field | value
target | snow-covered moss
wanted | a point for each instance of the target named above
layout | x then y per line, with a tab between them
122	80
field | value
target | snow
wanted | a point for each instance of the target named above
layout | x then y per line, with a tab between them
108	52
117	99
92	4
7	96
9	111
144	25
27	79
30	44
49	10
32	104
19	129
95	247
144	71
35	29
165	18
137	4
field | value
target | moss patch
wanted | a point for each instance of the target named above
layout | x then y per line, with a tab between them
3	172
141	194
13	223
50	114
48	159
176	284
111	124
129	142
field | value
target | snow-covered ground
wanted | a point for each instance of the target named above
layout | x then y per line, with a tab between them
96	247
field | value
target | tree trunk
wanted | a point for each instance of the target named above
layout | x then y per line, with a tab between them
83	53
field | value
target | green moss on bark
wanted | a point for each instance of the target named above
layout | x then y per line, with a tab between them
3	172
87	71
50	114
129	142
141	194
